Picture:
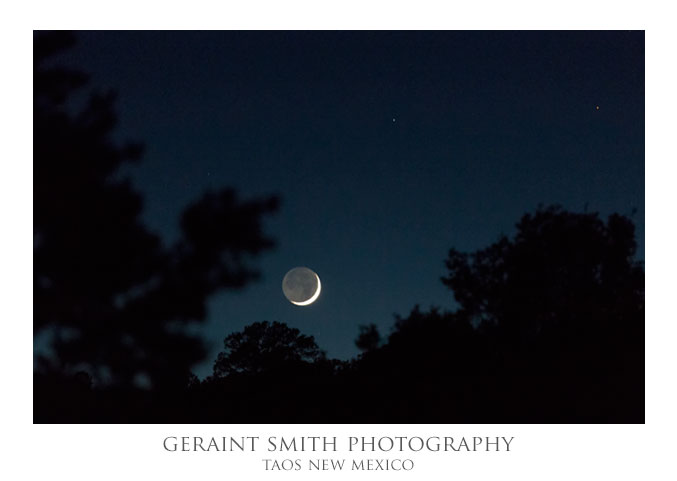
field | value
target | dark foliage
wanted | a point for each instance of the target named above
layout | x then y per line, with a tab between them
263	347
369	338
114	299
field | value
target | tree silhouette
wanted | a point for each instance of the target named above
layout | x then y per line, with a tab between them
263	346
563	302
423	372
269	373
369	338
549	328
561	273
116	300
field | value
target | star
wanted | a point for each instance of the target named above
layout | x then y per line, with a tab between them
393	120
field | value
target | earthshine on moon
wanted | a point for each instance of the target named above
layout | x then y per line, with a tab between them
301	286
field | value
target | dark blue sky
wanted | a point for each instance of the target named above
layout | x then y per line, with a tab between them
387	149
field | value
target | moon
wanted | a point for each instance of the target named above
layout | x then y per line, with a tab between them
301	286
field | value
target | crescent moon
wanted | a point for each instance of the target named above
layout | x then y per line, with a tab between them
315	296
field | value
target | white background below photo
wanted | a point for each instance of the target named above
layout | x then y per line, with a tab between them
538	452
552	452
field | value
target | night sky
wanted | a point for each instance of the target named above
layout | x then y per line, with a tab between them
387	149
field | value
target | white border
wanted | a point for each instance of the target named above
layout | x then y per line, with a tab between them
540	451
